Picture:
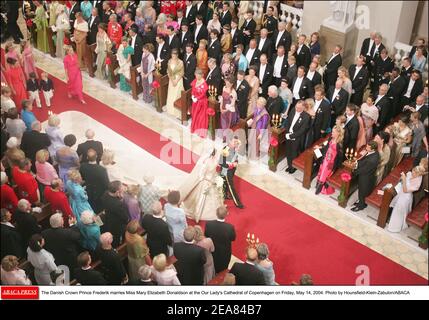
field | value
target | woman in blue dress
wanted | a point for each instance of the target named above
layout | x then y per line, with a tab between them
66	157
89	230
77	195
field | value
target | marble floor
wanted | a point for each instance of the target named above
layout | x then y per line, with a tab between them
400	248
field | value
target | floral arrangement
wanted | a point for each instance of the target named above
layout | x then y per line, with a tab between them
274	142
219	185
345	177
423	239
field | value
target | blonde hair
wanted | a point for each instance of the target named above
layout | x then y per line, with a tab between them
261	101
107	157
54	120
74	175
199	235
160	262
9	263
309	103
42	156
344	70
204	42
133	190
340	133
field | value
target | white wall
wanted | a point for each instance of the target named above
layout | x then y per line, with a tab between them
393	19
423	28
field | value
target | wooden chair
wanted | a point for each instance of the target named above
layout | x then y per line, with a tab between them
183	104
135	82
113	78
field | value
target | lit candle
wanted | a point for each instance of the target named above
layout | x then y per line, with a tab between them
257	240
248	236
253	236
347	150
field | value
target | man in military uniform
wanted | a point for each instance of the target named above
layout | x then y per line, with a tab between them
228	163
269	22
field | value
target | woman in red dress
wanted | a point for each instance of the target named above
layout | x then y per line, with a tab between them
200	118
16	80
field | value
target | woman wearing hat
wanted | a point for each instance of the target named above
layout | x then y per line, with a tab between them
226	40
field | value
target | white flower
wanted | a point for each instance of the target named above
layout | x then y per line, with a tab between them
219	182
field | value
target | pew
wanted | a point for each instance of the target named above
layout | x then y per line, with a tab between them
382	202
183	104
45	214
113	78
135	82
52	48
161	92
304	162
214	121
279	152
89	59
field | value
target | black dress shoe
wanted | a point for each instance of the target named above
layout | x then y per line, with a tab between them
240	206
356	203
358	208
292	170
319	187
287	169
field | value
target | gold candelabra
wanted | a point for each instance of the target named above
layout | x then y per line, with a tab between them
212	92
351	155
251	241
276	121
158	67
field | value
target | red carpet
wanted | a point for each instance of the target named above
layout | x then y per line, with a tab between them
298	243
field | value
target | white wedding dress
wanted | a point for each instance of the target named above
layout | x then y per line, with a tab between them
202	192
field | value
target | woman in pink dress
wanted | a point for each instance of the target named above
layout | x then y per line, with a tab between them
16	80
28	60
73	75
332	159
199	104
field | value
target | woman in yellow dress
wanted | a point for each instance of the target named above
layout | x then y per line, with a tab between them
175	71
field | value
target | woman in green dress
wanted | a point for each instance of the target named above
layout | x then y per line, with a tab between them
124	54
41	22
137	249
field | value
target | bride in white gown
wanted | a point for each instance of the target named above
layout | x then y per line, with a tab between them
202	193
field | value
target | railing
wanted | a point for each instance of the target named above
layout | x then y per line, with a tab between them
291	15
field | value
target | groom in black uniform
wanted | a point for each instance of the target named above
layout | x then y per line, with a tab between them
228	163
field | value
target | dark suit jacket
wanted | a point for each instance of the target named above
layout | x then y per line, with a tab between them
89	277
242	98
33	141
225	18
222	234
136	58
92	33
190	263
300	128
63	243
26	225
406	73
237	38
111	262
72	15
338	103
254	61
416	90
158	235
202	34
304	57
291	74
274	106
174	43
317	79
164	55
267	79
96	182
267	48
331	72
359	82
384	109
249	26
201	11
306	90
184	40
116	216
191	16
351	130
247	275
214	50
190	66
396	88
149	37
365	171
321	120
82	150
285	40
215	79
381	67
11	242
284	68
